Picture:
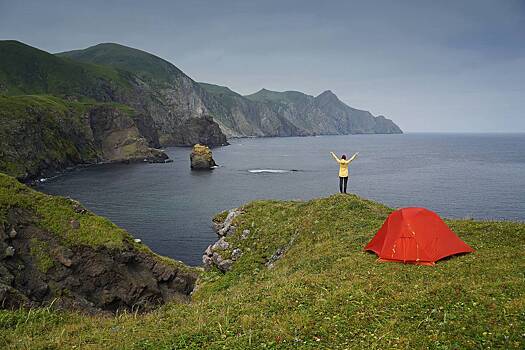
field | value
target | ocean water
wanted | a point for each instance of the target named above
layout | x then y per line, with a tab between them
170	207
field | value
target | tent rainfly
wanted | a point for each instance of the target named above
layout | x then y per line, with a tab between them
416	236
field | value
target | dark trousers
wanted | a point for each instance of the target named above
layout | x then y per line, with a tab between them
342	184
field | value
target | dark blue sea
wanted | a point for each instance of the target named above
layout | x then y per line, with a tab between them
170	208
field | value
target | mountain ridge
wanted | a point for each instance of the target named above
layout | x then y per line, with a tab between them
258	114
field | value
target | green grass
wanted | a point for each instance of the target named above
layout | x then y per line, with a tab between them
285	97
325	292
54	214
142	63
27	70
40	251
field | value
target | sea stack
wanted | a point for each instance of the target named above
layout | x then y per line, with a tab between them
201	158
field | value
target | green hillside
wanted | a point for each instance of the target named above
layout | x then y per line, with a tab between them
219	90
139	62
323	293
27	70
286	97
43	134
39	131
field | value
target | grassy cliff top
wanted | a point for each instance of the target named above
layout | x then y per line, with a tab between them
218	90
286	97
28	70
119	56
55	215
324	292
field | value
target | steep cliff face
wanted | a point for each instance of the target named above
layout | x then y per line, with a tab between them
177	105
40	135
172	109
117	138
291	113
166	106
55	252
266	113
239	116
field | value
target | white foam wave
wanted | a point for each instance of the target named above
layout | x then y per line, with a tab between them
268	171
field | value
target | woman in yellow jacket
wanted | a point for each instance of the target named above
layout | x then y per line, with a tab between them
343	170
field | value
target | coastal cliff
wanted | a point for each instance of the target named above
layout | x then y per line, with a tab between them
266	113
42	135
149	103
55	252
167	110
293	113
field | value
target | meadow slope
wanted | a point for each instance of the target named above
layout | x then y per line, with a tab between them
324	292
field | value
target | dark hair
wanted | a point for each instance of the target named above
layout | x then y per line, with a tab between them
343	156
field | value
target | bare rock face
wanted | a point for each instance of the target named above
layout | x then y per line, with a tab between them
201	158
118	138
213	255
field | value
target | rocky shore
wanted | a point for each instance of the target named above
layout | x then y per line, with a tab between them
215	255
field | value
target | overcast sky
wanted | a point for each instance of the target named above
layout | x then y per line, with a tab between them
429	65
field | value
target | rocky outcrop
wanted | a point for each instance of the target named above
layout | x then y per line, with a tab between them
39	267
201	158
117	137
215	254
169	107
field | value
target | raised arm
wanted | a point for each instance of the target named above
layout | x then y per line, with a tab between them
335	157
353	157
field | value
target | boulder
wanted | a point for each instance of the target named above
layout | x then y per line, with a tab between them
245	234
201	158
220	244
207	261
12	233
9	252
236	254
75	225
226	227
225	265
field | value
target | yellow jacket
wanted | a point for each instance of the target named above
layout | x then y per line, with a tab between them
343	164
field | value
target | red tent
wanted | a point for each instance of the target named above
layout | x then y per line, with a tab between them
415	236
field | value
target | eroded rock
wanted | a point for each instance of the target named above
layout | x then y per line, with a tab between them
220	244
201	158
236	254
212	255
245	234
